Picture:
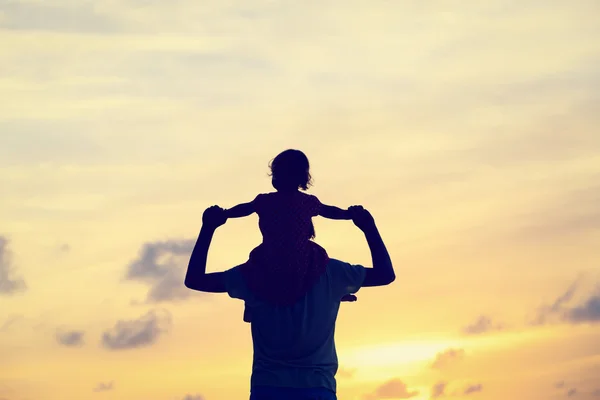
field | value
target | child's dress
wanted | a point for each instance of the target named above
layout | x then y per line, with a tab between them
287	263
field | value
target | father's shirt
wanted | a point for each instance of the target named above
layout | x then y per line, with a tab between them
294	345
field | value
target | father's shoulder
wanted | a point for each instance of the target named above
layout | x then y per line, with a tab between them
234	283
345	278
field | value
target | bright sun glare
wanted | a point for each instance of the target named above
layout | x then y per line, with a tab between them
397	354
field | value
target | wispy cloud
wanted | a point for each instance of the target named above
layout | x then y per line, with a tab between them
137	333
346	373
193	397
447	358
472	389
73	17
483	324
70	338
104	387
10	283
392	389
587	311
438	390
10	321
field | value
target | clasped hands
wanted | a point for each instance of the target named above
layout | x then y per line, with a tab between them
214	216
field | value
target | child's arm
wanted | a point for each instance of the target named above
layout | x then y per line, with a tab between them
333	212
241	210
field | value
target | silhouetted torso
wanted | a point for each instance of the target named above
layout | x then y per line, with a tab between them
294	345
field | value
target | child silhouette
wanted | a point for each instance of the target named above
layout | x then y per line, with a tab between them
287	262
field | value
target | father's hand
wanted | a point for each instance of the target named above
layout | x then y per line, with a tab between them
361	218
213	217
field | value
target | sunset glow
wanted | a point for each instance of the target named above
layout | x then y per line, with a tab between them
470	130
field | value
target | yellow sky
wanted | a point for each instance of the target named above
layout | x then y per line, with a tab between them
468	128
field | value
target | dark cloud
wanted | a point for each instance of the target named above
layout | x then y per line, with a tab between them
483	324
443	359
596	393
560	310
438	390
70	338
9	283
77	17
572	392
193	397
141	332
104	387
473	389
393	389
588	312
161	265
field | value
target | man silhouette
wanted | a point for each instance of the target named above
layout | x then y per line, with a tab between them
294	349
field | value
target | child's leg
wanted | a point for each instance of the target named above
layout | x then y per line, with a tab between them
247	313
349	297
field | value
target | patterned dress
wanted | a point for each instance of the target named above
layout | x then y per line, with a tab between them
287	263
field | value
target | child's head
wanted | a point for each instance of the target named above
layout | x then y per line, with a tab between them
290	171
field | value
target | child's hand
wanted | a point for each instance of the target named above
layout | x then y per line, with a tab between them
349	297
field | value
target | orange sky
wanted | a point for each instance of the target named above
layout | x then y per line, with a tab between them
469	129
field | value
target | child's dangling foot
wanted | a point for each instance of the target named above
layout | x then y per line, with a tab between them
247	314
349	297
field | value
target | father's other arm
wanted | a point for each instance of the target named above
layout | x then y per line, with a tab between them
382	272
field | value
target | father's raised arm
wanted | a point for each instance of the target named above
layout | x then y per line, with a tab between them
196	277
382	272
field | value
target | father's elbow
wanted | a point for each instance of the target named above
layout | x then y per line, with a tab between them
191	283
388	280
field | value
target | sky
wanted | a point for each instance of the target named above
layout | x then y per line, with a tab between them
469	129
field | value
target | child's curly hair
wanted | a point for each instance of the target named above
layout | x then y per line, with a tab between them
290	170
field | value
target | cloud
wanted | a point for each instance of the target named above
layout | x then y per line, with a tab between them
161	265
443	359
80	17
10	321
482	325
572	392
346	373
9	283
137	333
546	312
438	390
586	312
393	389
104	387
473	389
596	393
193	397
559	385
70	338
